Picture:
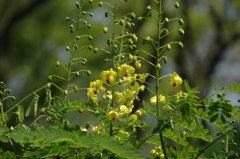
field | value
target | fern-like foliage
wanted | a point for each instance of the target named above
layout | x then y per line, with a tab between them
47	138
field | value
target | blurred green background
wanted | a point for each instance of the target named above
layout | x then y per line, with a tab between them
34	34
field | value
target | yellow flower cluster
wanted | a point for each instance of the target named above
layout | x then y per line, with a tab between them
175	79
157	152
161	99
108	76
95	88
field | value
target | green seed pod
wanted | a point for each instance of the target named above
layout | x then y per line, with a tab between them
176	5
100	4
168	47
90	47
180	21
105	29
89	73
181	31
58	63
95	50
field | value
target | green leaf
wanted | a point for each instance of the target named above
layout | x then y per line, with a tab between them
45	137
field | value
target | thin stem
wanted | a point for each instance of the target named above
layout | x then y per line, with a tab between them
210	144
23	99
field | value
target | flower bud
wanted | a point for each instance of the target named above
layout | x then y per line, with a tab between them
180	44
75	88
105	29
130	57
176	5
83	12
43	110
180	21
65	92
77	4
149	8
58	63
50	78
48	85
181	31
90	1
168	47
166	20
89	73
90	47
100	4
89	26
90	37
91	14
164	59
67	18
158	67
67	48
95	50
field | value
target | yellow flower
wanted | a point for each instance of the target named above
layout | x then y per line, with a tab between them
139	113
142	77
175	79
125	70
108	76
96	129
113	115
138	64
92	94
161	99
97	85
